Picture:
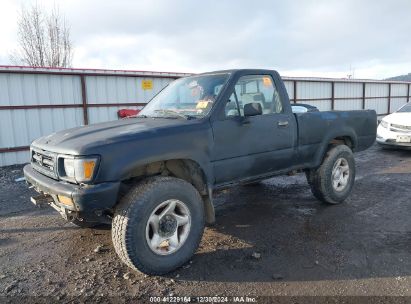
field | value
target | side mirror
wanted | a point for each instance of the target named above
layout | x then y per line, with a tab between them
299	109
252	109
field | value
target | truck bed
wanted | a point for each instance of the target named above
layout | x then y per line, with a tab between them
315	129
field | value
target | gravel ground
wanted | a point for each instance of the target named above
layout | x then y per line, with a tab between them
271	239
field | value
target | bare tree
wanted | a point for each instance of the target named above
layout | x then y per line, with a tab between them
43	38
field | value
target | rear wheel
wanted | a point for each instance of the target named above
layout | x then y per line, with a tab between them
158	225
333	180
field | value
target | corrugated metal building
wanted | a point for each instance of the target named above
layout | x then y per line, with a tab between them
38	101
349	94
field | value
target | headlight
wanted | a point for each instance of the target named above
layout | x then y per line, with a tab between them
78	170
384	124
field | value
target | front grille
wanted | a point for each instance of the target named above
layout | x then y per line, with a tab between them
400	128
44	162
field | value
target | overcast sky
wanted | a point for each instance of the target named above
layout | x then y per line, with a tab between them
297	38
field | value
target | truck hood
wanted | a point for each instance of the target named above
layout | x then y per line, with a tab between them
80	140
399	118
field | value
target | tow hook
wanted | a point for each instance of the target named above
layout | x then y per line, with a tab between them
42	200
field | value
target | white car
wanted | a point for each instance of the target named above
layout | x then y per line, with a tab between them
395	129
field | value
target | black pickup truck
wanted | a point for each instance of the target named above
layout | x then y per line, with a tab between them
153	176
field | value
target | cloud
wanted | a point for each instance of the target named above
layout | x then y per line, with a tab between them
310	37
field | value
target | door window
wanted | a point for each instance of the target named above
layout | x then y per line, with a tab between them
254	88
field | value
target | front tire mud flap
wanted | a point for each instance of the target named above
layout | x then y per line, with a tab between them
209	208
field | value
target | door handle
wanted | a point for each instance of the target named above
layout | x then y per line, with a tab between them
283	123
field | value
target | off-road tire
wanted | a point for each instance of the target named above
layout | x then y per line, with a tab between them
130	220
320	179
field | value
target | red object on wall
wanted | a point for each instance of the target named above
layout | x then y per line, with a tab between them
123	113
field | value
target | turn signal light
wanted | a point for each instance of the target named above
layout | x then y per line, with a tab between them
89	169
65	200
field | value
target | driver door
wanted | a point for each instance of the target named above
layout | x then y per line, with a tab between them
246	147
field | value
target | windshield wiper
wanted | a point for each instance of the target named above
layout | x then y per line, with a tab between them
135	116
175	113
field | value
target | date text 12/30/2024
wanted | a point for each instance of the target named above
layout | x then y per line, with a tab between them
203	299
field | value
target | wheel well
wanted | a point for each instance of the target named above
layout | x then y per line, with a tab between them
186	169
342	140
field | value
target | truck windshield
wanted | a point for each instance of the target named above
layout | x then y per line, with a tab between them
190	97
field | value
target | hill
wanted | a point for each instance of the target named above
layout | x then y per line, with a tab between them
401	77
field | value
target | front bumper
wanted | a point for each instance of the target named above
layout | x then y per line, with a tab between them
389	138
90	202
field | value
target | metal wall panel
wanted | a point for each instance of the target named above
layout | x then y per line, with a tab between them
380	105
289	85
116	89
12	158
313	90
21	127
376	89
32	89
345	90
399	89
102	114
348	104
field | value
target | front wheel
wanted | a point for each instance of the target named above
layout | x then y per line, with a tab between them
158	225
333	180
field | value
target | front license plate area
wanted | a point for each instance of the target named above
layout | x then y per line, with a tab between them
403	138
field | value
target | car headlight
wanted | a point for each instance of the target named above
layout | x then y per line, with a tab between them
384	124
78	170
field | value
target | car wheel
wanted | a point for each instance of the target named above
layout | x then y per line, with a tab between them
158	225
333	180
